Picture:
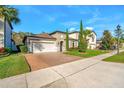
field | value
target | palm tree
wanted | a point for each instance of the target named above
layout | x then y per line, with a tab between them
9	14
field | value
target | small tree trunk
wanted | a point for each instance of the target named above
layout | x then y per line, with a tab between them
118	46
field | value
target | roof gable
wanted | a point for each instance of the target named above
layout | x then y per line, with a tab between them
57	32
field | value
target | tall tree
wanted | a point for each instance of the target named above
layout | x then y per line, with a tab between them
107	40
67	40
81	37
83	34
119	34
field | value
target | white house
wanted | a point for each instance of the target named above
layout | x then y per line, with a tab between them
90	39
56	42
6	34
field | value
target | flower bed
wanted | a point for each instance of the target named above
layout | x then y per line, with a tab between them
4	52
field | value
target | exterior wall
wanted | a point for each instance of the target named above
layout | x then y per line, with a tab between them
71	43
14	48
5	36
122	45
1	32
8	36
91	42
74	35
60	37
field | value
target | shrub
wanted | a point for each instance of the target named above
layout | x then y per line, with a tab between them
23	48
2	50
8	50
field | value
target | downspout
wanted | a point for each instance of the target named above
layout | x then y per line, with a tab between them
4	32
12	42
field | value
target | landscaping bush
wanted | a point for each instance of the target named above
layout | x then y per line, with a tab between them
5	52
2	50
23	48
8	50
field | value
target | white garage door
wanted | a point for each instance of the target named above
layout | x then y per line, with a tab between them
44	47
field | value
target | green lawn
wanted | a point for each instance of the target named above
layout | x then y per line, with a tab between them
116	58
13	65
89	53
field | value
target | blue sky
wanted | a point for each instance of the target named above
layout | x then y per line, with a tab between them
38	19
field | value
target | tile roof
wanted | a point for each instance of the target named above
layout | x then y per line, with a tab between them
45	35
57	32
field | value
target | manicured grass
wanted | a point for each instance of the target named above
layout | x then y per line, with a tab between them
119	58
13	65
89	53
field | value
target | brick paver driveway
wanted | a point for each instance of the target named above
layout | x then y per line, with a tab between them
44	60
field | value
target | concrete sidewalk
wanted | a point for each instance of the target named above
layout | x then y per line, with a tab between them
89	72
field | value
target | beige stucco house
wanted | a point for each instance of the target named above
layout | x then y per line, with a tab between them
56	42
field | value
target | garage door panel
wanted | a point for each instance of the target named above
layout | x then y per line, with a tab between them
44	47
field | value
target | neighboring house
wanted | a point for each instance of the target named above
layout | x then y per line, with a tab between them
91	39
98	44
122	45
56	42
6	34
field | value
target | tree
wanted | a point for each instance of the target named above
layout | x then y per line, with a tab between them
81	38
119	34
83	34
87	33
67	40
107	40
18	37
9	13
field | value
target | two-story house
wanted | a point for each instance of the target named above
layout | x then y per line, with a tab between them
91	39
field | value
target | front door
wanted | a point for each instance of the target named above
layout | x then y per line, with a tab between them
61	46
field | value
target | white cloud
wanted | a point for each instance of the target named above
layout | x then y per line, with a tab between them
70	23
72	29
89	28
96	17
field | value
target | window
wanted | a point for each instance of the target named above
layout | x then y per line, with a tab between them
92	39
73	45
1	40
62	36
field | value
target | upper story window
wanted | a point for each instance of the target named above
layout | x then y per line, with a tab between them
93	39
61	36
